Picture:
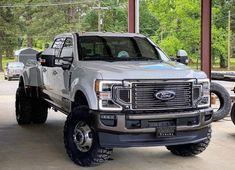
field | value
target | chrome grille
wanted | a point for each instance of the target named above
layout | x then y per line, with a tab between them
143	96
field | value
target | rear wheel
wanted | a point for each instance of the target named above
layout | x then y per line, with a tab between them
81	140
191	149
23	107
30	109
39	111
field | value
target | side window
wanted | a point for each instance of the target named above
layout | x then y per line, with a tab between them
146	48
67	50
58	43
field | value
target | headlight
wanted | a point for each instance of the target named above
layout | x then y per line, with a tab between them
104	94
204	100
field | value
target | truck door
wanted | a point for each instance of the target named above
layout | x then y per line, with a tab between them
61	78
47	72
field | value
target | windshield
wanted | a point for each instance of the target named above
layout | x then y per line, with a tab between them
117	49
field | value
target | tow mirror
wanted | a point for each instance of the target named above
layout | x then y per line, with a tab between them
53	61
182	57
47	60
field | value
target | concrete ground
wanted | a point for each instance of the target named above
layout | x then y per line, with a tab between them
40	147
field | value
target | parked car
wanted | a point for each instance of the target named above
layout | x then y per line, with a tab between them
118	90
13	70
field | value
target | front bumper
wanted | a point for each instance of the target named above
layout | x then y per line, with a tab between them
138	129
110	140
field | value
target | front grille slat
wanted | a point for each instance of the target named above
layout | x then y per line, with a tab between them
143	95
178	101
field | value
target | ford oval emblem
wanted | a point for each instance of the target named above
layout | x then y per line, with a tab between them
165	95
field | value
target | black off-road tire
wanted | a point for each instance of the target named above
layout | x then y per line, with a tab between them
23	107
191	149
96	154
225	101
39	111
233	114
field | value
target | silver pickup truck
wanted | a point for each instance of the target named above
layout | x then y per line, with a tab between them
118	90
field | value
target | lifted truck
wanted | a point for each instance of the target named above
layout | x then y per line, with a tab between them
118	90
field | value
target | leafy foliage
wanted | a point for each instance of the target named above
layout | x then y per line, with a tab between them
173	24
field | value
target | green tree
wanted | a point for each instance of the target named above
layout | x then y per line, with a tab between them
219	31
8	28
179	25
148	23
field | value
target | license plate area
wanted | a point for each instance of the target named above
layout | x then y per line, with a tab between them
165	128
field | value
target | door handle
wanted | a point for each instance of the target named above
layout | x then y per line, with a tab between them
54	72
44	69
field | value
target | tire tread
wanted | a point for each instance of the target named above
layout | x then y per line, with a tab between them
191	149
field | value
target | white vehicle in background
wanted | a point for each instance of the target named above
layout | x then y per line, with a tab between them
13	70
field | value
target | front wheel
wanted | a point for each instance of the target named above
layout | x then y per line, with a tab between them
81	140
191	149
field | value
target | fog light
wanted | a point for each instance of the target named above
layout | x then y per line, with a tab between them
108	117
108	120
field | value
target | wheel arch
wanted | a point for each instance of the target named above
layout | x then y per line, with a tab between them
79	99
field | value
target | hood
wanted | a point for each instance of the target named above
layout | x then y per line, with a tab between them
142	70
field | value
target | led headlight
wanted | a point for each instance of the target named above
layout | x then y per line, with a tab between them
205	93
104	94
